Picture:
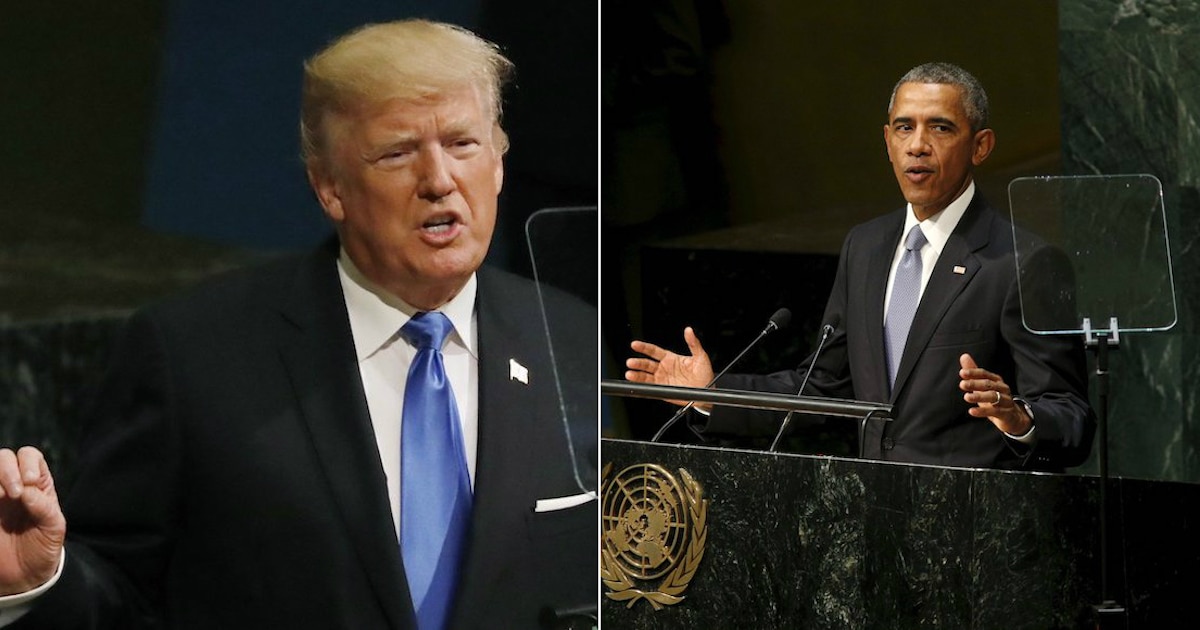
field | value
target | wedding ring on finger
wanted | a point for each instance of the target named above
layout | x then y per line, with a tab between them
997	398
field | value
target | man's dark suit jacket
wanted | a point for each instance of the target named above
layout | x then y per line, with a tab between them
971	305
231	477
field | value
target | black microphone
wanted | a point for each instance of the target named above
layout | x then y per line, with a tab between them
826	331
778	321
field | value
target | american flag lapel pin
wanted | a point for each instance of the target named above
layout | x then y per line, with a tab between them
959	269
518	372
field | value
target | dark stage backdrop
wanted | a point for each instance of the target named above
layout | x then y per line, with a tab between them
151	143
743	140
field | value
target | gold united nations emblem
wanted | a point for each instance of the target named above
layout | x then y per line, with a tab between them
652	534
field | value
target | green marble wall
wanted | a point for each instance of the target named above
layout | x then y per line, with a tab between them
1129	75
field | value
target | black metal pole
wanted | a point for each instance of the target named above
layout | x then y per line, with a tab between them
1108	613
1102	390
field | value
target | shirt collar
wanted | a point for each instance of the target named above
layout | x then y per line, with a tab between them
377	316
939	227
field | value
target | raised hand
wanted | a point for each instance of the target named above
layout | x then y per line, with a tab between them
992	397
32	526
659	366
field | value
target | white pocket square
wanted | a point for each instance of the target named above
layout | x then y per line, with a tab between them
562	503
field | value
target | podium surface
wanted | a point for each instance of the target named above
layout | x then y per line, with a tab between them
797	541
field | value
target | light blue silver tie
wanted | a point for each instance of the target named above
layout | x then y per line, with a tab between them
435	503
906	295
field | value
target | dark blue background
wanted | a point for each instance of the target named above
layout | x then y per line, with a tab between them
223	160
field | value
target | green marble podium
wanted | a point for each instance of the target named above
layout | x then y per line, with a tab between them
800	541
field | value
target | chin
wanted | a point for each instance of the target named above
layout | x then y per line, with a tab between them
453	267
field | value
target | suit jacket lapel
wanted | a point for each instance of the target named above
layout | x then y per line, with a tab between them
317	350
508	329
971	234
875	285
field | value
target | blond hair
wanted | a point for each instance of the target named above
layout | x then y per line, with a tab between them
407	59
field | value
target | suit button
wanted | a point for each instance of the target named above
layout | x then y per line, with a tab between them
888	443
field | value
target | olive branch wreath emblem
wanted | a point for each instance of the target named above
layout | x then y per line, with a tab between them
670	591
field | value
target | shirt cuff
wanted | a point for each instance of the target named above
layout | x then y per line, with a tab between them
1027	437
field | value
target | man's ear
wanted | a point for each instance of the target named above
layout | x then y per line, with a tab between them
326	188
499	175
985	141
500	146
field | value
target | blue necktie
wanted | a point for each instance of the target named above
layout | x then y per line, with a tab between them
906	294
435	501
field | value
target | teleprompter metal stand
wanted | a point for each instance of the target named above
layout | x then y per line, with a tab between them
1108	613
1094	247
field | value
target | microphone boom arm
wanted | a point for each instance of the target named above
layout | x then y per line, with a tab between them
826	330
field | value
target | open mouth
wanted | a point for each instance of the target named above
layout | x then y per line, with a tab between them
918	174
442	229
438	225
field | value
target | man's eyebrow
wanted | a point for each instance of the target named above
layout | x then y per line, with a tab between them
404	142
400	141
936	120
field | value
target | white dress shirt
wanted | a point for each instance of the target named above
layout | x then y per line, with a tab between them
384	357
937	230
